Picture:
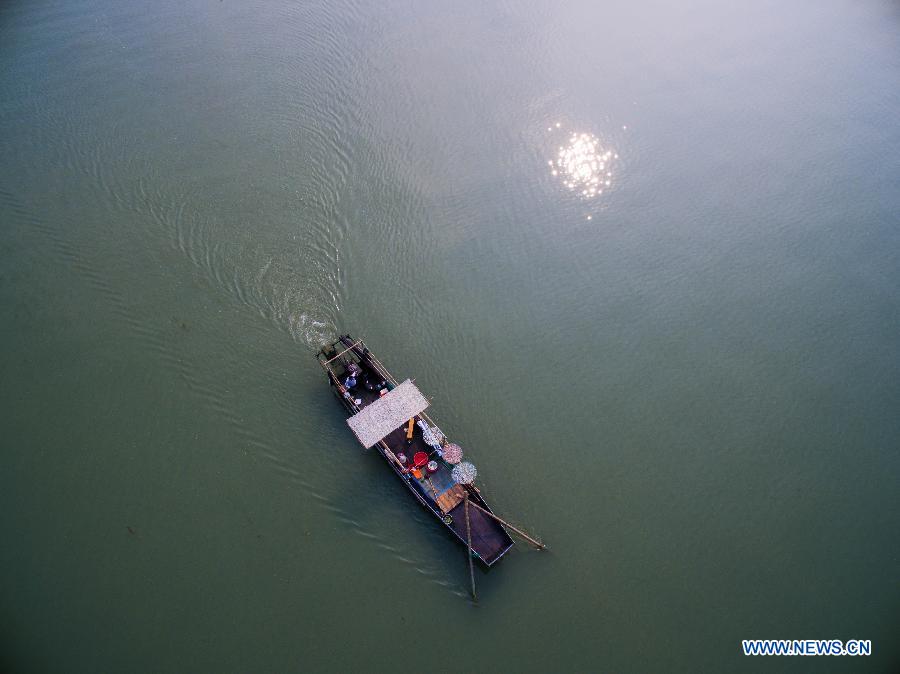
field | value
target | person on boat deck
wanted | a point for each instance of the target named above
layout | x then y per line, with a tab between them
350	381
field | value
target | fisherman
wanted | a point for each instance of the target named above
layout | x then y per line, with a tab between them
350	381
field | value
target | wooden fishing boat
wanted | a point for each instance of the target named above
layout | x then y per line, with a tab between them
390	416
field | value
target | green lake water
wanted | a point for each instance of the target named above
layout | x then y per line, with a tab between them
644	258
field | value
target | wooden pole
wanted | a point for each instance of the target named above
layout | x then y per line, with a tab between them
537	544
391	455
342	353
469	541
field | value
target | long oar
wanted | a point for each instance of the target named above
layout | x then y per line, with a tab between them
535	543
469	541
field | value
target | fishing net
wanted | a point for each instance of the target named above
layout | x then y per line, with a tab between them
431	435
464	473
452	453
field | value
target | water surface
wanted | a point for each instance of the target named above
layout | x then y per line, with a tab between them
681	369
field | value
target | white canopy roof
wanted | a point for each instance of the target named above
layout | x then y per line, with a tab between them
387	414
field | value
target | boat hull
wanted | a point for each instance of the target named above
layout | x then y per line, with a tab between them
490	541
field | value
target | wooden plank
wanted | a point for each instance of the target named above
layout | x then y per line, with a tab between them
451	498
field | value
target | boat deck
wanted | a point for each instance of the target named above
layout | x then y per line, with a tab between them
489	539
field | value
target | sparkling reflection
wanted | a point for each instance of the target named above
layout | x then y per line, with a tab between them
583	165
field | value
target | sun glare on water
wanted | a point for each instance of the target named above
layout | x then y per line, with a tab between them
583	165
